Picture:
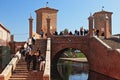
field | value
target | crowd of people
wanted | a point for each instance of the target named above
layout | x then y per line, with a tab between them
33	57
81	32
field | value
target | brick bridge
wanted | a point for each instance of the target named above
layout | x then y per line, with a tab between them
101	58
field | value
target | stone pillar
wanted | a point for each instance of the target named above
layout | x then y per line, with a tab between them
48	27
90	25
30	26
107	26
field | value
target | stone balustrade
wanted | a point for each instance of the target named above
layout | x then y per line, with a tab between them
46	75
7	72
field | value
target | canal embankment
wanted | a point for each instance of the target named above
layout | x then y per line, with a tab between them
75	59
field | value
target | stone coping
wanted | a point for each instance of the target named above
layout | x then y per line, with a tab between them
47	67
7	72
76	59
46	75
118	50
107	46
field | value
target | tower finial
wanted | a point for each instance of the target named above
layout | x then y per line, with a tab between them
46	4
102	8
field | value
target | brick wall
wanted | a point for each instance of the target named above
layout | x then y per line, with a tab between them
41	16
15	46
101	58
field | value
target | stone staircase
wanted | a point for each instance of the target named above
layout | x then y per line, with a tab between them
21	73
113	42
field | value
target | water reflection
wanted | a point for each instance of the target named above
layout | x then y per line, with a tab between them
78	71
82	76
73	70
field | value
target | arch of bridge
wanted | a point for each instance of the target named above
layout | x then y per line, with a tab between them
60	43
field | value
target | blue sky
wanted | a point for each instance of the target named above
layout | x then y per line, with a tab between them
73	14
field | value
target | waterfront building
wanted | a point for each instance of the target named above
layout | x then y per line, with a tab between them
4	35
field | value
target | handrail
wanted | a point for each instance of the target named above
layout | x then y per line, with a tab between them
118	50
107	46
7	72
46	75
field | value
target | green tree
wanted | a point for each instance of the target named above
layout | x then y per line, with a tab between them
65	31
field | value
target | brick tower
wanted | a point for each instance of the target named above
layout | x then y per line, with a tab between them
100	21
30	26
41	23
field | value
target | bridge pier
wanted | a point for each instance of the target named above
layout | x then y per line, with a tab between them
54	71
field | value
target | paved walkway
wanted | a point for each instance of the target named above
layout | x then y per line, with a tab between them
75	59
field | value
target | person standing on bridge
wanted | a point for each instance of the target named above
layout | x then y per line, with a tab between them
30	42
34	58
28	57
33	40
81	31
41	33
38	58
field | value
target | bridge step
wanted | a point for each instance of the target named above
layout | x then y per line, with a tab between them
21	73
25	79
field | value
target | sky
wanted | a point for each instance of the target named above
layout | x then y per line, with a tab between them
72	14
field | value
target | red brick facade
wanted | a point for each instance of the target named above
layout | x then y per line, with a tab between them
99	21
15	46
100	58
41	15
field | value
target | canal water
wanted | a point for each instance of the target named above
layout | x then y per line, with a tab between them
78	71
73	70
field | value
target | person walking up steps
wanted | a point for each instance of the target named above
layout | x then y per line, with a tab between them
42	63
34	57
28	57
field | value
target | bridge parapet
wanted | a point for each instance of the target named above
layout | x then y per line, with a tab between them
107	58
46	75
68	39
107	46
7	72
118	50
95	50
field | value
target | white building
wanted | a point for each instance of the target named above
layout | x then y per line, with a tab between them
4	35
